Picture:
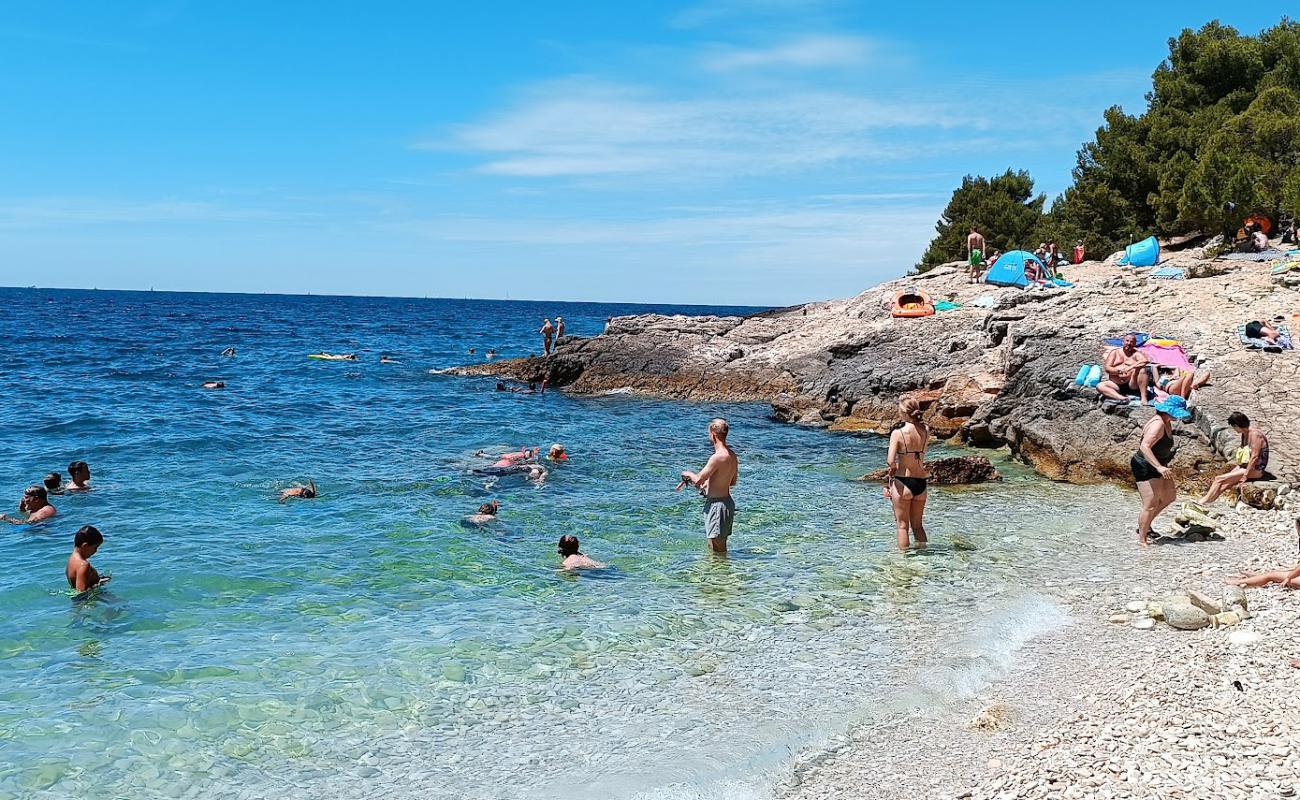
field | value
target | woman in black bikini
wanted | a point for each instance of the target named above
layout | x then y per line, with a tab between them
1150	464
906	484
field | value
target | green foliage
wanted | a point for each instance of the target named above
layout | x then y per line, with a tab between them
1221	126
1004	208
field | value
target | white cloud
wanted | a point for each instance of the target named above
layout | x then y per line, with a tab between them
710	12
807	52
579	128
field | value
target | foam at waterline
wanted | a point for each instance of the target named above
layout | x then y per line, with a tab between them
987	652
717	790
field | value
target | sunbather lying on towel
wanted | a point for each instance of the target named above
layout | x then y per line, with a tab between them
1178	381
1126	372
1262	330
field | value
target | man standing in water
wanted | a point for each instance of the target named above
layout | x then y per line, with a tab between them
715	482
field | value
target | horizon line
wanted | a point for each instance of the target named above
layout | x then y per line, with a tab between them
151	290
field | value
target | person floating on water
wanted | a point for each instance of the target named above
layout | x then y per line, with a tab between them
79	472
307	492
906	481
53	483
214	385
35	503
491	354
1150	464
557	453
471	351
547	330
1251	462
720	473
975	248
573	558
486	513
333	356
80	574
228	352
1126	372
517	457
384	359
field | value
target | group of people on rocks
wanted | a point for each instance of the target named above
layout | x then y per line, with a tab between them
1048	254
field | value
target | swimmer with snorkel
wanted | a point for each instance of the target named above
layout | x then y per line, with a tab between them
307	492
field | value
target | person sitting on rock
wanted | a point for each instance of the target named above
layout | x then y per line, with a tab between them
1258	240
1254	452
1126	372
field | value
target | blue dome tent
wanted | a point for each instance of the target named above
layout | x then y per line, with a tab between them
1145	253
1009	269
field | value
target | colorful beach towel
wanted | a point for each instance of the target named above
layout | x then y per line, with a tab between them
1169	273
1167	356
946	305
1265	255
1142	338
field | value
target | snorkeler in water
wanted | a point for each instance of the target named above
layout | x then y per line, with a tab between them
307	492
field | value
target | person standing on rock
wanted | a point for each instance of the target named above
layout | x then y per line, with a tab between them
1150	464
546	331
975	247
559	329
715	481
905	485
1254	448
1126	372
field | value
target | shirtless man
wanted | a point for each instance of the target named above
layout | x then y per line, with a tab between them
80	574
975	248
547	330
35	504
79	472
715	482
1126	372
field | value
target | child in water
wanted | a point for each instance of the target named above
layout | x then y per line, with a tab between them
80	574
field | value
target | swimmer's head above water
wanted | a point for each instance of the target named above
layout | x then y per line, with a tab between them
53	482
557	453
569	545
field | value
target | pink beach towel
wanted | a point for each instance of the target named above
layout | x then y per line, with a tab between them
1171	356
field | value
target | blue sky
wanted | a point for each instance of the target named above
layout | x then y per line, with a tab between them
723	151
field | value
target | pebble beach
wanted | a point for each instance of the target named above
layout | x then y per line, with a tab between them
1108	709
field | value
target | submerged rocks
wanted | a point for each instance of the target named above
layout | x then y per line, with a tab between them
951	471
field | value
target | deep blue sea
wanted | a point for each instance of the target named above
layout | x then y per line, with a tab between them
369	643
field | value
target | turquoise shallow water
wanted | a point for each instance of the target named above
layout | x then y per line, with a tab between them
369	643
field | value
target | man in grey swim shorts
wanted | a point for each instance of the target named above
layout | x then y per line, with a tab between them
715	482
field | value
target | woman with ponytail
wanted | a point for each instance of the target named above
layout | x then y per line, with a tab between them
906	484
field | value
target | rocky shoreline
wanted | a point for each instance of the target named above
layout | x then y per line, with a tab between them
996	372
1110	709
